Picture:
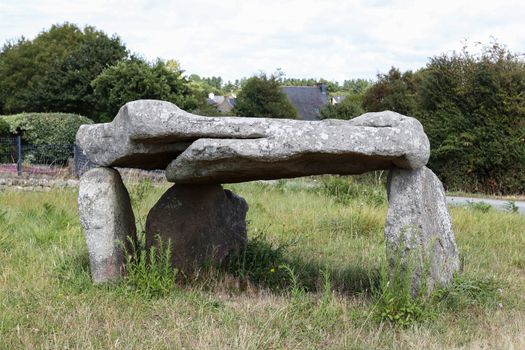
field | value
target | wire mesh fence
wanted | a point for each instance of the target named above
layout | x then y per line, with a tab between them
8	154
7	150
18	158
82	163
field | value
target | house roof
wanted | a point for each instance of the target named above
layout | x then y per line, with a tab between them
308	100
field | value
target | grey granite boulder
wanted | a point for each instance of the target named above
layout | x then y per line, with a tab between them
108	222
151	134
203	223
418	229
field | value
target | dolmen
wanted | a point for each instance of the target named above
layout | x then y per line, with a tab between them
203	222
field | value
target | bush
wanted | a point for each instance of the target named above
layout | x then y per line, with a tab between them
47	136
473	110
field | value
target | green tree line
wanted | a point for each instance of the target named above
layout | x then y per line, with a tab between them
84	71
472	106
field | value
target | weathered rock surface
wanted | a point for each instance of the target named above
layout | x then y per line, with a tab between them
152	134
418	228
108	221
203	223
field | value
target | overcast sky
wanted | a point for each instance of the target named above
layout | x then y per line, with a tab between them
336	40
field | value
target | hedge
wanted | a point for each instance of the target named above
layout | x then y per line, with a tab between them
47	137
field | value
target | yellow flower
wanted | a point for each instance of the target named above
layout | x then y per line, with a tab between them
272	270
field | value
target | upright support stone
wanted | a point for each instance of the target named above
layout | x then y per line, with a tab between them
418	228
203	223
108	222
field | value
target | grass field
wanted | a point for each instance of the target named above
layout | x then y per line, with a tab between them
310	279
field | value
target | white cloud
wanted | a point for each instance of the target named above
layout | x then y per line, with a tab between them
307	38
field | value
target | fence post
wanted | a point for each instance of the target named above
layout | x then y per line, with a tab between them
75	159
19	155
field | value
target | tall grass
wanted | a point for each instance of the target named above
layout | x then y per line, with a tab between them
304	281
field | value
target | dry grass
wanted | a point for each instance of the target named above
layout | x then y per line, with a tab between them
48	302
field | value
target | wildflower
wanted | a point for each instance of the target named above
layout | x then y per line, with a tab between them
272	270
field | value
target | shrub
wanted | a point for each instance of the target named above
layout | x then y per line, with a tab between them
472	107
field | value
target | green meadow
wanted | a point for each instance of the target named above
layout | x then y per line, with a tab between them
311	277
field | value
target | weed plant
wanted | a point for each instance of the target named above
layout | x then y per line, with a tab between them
480	206
149	272
397	299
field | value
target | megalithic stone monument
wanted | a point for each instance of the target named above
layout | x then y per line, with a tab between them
200	153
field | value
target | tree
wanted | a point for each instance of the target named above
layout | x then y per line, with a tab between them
394	91
356	86
207	85
137	79
261	97
67	85
53	71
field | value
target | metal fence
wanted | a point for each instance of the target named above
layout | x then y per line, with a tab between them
82	163
19	158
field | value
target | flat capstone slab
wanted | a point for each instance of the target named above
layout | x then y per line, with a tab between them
152	134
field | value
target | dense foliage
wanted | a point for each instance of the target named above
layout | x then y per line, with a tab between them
137	79
349	108
53	72
4	128
472	106
83	71
352	93
473	109
47	136
261	97
394	91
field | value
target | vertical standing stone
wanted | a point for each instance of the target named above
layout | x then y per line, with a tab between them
108	222
418	226
203	223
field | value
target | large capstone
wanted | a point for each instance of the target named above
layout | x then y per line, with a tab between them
201	223
151	134
108	222
418	229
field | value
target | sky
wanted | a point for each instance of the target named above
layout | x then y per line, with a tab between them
335	40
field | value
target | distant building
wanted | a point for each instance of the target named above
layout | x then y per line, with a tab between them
308	100
224	104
